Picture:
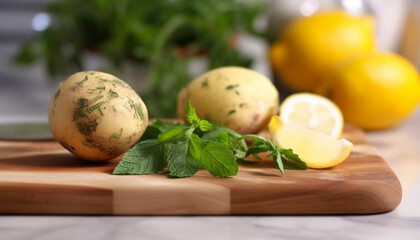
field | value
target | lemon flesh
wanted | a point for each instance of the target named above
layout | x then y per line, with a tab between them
316	149
312	112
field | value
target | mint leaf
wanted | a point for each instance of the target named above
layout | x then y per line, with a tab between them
225	139
212	135
240	144
184	149
283	158
157	127
164	126
259	145
206	126
228	137
175	134
180	162
240	154
144	157
219	160
151	132
195	146
190	114
279	162
257	149
292	160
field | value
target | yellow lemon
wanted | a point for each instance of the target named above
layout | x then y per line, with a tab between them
313	112
316	149
375	90
310	46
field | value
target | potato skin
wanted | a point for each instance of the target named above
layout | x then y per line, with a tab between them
235	97
96	116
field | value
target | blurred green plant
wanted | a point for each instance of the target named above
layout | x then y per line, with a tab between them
166	34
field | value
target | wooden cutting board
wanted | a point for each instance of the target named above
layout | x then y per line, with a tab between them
41	177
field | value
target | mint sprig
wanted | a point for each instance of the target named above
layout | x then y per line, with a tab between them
145	157
182	150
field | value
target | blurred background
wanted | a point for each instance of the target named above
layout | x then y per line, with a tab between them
159	46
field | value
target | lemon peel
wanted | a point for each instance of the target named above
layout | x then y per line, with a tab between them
375	90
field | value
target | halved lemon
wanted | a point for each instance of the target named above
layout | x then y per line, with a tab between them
312	112
317	150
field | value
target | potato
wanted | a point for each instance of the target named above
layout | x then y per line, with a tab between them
96	116
235	97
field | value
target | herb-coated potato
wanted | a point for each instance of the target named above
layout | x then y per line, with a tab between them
235	97
96	116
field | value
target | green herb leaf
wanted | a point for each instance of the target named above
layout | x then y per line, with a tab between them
278	162
219	160
157	127
195	146
225	139
180	162
228	137
151	132
212	135
206	126
259	145
175	134
257	149
283	158
190	114
202	144
164	126
292	160
144	157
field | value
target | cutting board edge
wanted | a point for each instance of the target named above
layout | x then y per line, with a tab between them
387	206
368	203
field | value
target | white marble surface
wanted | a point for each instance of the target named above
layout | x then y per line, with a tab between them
384	226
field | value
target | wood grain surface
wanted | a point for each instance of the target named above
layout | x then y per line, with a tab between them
41	177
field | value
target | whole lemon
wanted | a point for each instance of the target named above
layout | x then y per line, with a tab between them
375	90
310	46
